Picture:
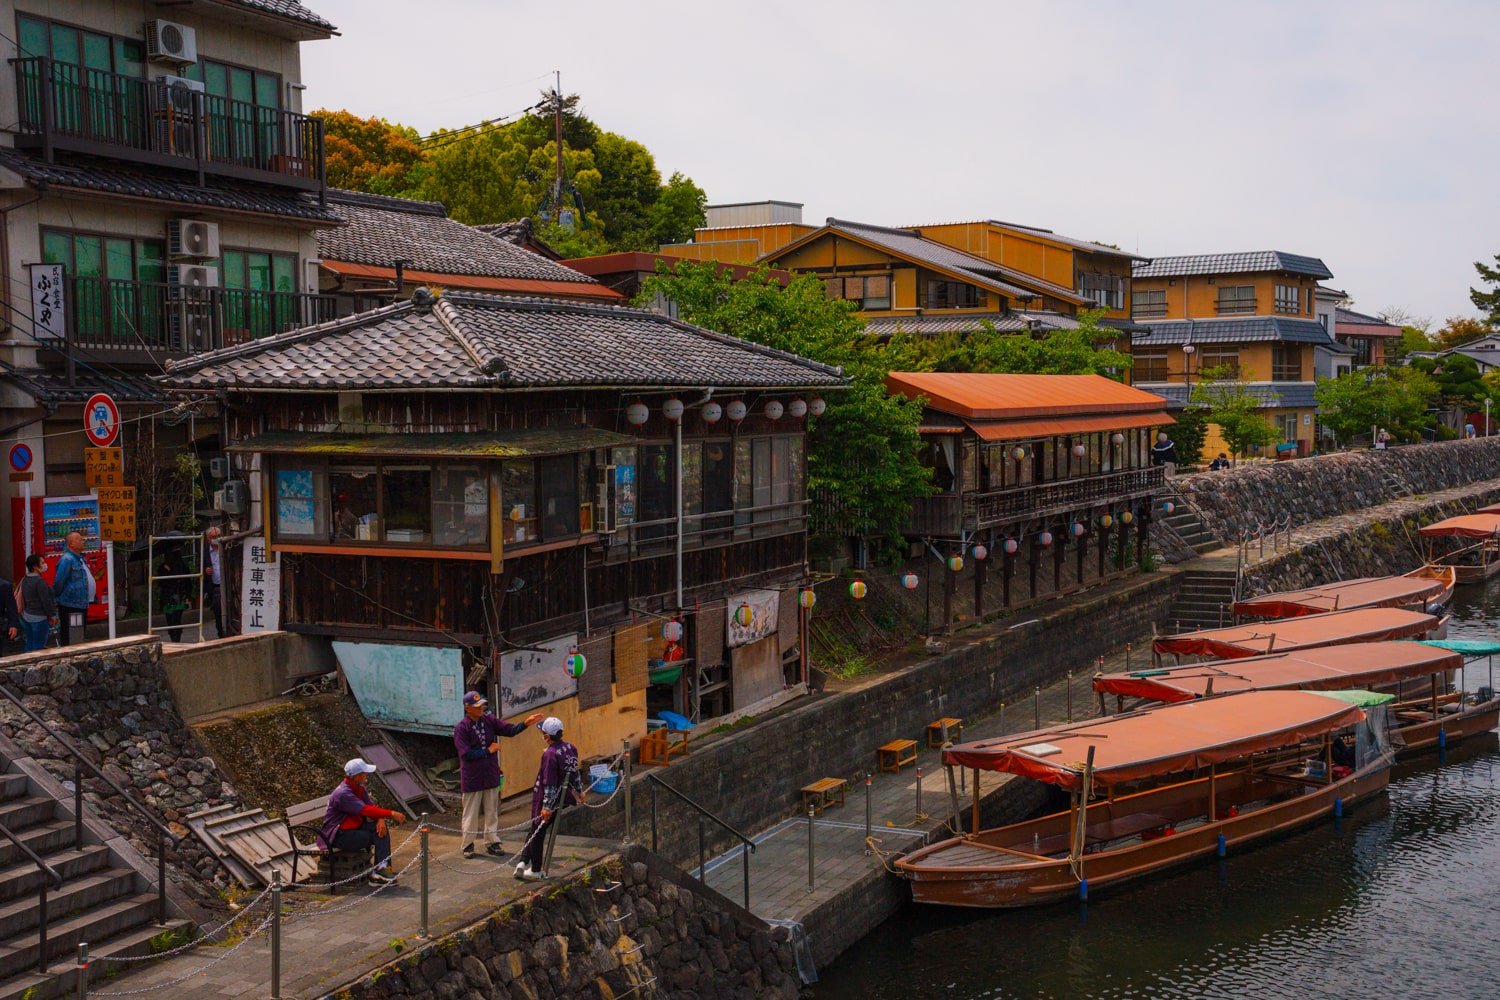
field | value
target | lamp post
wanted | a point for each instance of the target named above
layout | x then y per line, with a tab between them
1187	369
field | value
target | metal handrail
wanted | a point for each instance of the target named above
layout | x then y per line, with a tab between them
703	814
57	881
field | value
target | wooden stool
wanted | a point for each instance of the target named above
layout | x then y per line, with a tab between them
895	754
820	794
657	746
955	729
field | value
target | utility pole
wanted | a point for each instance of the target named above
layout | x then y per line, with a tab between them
557	183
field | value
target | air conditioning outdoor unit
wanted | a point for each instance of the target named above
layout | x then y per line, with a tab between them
192	238
192	276
178	94
168	41
190	323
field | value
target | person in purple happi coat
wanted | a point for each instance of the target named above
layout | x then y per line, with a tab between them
558	785
476	737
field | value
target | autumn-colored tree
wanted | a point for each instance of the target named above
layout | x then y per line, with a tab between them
1460	330
369	154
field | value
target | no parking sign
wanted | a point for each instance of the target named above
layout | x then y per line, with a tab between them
101	420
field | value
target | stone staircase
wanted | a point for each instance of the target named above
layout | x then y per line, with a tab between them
1205	601
1185	523
101	901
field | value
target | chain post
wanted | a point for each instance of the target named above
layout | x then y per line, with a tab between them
869	814
810	811
424	830
626	779
920	814
82	970
276	934
1036	706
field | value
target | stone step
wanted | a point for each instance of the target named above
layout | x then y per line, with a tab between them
23	878
12	786
19	954
61	978
43	838
89	892
28	810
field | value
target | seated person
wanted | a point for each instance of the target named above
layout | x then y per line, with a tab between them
1222	462
1343	752
354	822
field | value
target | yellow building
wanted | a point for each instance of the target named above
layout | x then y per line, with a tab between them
1249	313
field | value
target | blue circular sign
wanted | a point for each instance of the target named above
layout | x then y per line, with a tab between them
20	457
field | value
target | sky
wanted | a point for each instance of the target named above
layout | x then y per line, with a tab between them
1361	132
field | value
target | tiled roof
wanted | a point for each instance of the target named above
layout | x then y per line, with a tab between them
1008	322
235	196
379	230
51	385
522	233
495	342
290	9
1374	325
1229	331
1233	263
1272	394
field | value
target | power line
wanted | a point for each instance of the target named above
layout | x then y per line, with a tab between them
443	138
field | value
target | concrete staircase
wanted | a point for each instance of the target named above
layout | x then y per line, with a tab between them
108	905
1185	523
1205	601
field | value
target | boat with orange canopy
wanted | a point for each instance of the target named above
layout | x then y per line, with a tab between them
1427	589
1478	560
1437	713
1335	628
1156	788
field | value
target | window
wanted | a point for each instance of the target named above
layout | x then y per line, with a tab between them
656	486
1362	350
244	112
1287	424
1286	362
558	478
1106	291
867	291
259	293
544	500
406	491
107	303
1288	299
356	505
301	507
1149	365
1220	356
1147	303
399	502
707	482
460	506
88	99
768	474
1236	299
950	295
518	503
1323	321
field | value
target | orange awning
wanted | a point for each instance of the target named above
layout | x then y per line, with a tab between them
1025	430
1335	629
985	396
1324	668
1493	508
1467	526
1160	740
1347	595
478	283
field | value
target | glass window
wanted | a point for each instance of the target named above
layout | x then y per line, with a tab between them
407	502
558	478
300	509
460	506
781	472
1236	299
356	511
692	479
34	37
656	486
1288	299
518	502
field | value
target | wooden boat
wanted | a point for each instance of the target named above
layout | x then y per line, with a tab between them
1435	712
1479	559
1427	589
1243	769
1335	628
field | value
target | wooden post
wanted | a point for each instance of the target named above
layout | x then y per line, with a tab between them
1010	568
975	810
1103	551
1057	561
953	795
1082	543
950	584
1035	551
1328	758
1213	774
1081	821
979	575
1434	697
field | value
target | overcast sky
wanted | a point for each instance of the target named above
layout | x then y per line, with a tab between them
1362	132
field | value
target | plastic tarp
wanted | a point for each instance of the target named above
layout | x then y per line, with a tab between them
1333	629
1161	740
1347	595
1364	699
1357	665
1465	647
1467	526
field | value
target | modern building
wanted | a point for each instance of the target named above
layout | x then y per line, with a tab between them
1368	338
743	232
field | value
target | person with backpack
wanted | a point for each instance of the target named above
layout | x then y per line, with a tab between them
37	606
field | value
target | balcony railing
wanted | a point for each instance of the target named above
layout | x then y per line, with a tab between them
68	107
947	514
1229	307
153	318
1286	372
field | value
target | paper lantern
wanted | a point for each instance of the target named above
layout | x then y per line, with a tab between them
736	409
1077	529
857	590
816	406
1117	438
979	553
672	631
672	409
1106	521
774	409
1018	453
797	407
1045	539
711	413
576	664
637	413
1079	450
1168	507
956	563
1126	517
807	598
744	615
909	581
1011	546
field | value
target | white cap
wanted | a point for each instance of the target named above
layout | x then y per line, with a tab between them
358	766
552	726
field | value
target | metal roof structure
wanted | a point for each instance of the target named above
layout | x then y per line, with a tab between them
1192	265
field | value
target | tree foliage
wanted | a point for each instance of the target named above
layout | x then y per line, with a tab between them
1459	330
1455	377
1396	398
1236	410
1487	300
1190	434
1087	350
1412	340
369	154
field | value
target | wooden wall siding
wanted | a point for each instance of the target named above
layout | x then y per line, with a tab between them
374	592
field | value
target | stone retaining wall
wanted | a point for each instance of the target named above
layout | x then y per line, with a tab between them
629	926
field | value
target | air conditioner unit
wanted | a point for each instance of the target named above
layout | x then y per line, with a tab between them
192	238
177	137
190	324
192	276
168	41
178	94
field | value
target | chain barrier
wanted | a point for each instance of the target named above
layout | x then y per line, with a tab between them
358	875
206	937
377	890
264	924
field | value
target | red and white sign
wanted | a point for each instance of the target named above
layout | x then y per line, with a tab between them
101	420
20	457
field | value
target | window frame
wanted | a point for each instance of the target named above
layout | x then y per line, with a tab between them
1226	304
1144	305
1153	355
1288	299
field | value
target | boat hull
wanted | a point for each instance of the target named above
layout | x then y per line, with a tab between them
1420	737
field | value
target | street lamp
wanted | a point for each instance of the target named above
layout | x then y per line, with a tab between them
1187	368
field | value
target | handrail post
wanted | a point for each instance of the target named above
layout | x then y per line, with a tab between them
626	779
41	963
702	849
423	829
810	858
77	805
745	856
161	878
653	817
275	934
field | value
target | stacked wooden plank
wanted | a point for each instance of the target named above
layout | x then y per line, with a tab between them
248	841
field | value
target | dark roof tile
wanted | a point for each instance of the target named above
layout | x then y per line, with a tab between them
290	9
1229	331
1232	263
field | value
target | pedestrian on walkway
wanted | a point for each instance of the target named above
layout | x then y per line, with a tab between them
1219	464
480	779
37	607
74	588
1164	453
558	785
354	822
213	579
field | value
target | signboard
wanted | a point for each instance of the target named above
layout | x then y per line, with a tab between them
103	467
764	605
416	689
20	457
260	589
532	677
117	513
48	305
101	420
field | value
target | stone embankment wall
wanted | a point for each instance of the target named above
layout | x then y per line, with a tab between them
629	926
113	703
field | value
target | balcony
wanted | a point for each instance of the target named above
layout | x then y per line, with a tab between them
66	107
1287	372
948	514
148	322
1233	307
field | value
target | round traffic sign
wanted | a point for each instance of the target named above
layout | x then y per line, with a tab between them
101	420
20	457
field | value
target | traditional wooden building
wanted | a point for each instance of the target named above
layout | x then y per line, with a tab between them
1050	474
477	486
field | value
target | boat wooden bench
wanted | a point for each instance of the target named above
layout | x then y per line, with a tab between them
822	793
896	754
953	727
657	746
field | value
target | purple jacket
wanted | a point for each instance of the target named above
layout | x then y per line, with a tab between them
478	769
557	779
346	805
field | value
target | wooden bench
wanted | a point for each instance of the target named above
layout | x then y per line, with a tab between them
304	822
820	794
954	727
657	746
893	755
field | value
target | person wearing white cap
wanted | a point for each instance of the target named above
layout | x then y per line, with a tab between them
558	785
354	822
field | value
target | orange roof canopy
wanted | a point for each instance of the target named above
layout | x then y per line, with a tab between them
984	396
1346	595
1467	526
1324	668
1161	740
1339	627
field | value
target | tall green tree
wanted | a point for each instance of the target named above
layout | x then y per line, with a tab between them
1236	410
1087	350
1488	301
1397	398
369	154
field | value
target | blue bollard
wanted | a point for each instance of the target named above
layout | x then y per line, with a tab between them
1083	890
1442	739
1338	807
1223	846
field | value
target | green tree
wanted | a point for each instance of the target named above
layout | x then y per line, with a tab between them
1456	378
1397	398
1488	302
1190	434
369	154
1236	410
864	449
1412	340
1087	350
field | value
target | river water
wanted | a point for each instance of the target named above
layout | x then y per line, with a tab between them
1395	900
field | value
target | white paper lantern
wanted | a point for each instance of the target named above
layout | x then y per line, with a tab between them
774	409
1011	546
637	413
711	413
797	407
672	631
1077	530
736	410
672	409
1117	438
909	581
816	406
1045	538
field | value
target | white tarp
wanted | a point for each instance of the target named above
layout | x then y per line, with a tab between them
417	689
764	607
539	676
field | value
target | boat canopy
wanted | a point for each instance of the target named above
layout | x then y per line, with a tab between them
1493	508
1467	526
1467	647
1364	699
1333	629
1320	668
1347	595
1161	740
